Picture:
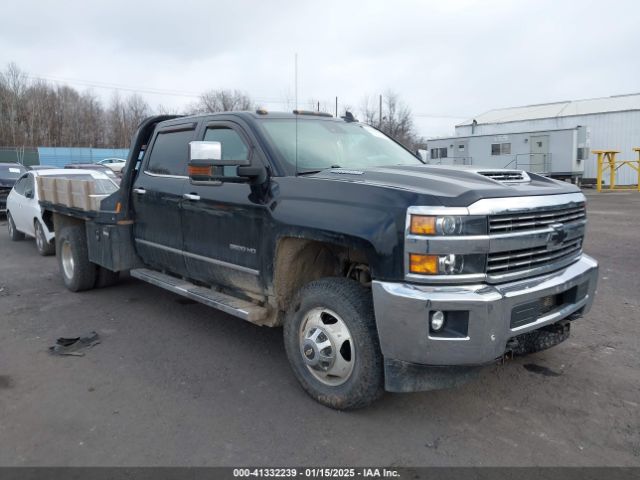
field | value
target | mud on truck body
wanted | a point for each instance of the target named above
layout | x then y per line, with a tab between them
385	273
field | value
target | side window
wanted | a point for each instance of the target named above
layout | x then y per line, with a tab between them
20	185
233	147
170	153
28	186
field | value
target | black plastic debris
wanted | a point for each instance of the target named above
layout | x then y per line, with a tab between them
74	346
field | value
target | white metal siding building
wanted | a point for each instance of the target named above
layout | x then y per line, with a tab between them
610	123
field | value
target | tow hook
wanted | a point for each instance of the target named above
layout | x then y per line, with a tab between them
512	345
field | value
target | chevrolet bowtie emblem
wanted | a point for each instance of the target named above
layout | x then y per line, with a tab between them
558	236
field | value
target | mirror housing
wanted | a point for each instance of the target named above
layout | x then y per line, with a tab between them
207	166
210	153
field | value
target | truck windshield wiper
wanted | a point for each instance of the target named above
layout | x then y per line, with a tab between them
311	172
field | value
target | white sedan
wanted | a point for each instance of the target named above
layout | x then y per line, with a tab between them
115	164
24	213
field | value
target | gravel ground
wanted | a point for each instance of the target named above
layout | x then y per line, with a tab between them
176	383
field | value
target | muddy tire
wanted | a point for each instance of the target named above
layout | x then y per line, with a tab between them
44	247
332	344
14	234
78	273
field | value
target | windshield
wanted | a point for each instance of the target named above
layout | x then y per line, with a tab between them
325	144
11	171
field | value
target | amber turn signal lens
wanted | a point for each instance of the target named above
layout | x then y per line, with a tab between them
424	264
199	171
423	225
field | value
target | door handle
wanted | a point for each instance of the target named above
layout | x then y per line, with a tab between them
139	191
191	196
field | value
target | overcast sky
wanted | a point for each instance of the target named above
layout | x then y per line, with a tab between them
449	60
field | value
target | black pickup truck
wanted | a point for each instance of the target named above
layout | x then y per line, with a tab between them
385	273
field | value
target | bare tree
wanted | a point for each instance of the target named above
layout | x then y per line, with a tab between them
123	118
136	110
165	110
116	124
37	113
223	101
396	119
13	84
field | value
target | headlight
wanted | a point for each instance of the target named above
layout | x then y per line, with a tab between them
447	225
451	264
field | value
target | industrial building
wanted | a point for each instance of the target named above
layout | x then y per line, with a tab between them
554	138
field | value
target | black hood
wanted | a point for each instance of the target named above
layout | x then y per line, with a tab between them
451	185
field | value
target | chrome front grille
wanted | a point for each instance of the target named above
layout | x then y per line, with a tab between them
527	236
530	258
517	222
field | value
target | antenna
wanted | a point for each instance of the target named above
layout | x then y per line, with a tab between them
295	78
295	82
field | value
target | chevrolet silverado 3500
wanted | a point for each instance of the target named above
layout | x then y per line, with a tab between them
385	273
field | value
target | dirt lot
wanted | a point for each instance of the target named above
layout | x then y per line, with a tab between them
176	383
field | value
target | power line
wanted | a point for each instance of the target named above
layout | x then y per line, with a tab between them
111	86
178	93
128	88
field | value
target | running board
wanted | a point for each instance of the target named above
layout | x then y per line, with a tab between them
226	303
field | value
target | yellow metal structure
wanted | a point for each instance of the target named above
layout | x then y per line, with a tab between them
607	161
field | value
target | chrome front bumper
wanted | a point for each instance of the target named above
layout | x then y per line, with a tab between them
402	314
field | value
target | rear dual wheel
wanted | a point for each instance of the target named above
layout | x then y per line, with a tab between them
78	273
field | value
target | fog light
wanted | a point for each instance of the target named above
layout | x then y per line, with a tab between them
450	264
437	320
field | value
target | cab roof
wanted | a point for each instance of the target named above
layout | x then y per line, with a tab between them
259	114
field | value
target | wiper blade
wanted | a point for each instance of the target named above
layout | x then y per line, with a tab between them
310	172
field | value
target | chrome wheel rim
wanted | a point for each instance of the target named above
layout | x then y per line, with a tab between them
326	346
67	260
39	237
10	226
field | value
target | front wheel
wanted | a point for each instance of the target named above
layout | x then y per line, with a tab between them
14	234
332	344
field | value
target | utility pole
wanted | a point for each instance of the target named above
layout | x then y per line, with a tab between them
380	113
336	107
